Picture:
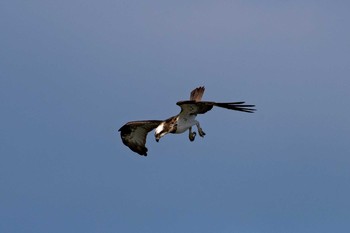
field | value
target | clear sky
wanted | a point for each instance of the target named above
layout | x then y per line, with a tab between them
73	72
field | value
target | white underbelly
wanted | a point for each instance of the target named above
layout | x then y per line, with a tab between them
184	124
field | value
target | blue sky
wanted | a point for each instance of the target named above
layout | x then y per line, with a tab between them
73	72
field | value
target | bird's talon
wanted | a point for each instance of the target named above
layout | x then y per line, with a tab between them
192	136
201	133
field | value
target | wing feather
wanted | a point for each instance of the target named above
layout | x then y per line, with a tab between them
134	134
197	94
191	107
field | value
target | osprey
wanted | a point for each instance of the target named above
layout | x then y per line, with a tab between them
134	133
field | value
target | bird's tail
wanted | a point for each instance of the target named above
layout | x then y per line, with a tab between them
238	106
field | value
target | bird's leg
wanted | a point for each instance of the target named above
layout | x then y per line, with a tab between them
191	135
200	130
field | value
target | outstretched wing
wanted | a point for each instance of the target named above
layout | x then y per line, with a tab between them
134	134
191	107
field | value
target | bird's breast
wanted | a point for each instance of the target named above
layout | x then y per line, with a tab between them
184	123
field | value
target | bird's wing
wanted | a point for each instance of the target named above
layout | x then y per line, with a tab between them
191	107
237	106
197	94
134	134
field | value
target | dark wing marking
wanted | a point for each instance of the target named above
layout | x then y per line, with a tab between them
197	94
191	107
134	134
237	106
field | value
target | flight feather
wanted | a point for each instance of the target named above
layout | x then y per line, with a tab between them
134	134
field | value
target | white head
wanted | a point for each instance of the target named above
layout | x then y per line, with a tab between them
160	131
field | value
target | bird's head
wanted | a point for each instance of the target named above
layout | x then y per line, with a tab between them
160	132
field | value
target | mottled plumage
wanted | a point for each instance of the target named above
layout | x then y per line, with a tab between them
134	133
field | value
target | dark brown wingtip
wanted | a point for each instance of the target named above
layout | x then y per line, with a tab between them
142	150
124	127
200	88
143	154
238	106
139	150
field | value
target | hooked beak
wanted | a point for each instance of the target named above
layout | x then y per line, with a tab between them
158	136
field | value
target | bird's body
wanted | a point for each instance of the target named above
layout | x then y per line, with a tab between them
134	133
178	124
184	123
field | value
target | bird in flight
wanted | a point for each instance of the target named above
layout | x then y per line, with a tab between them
134	133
